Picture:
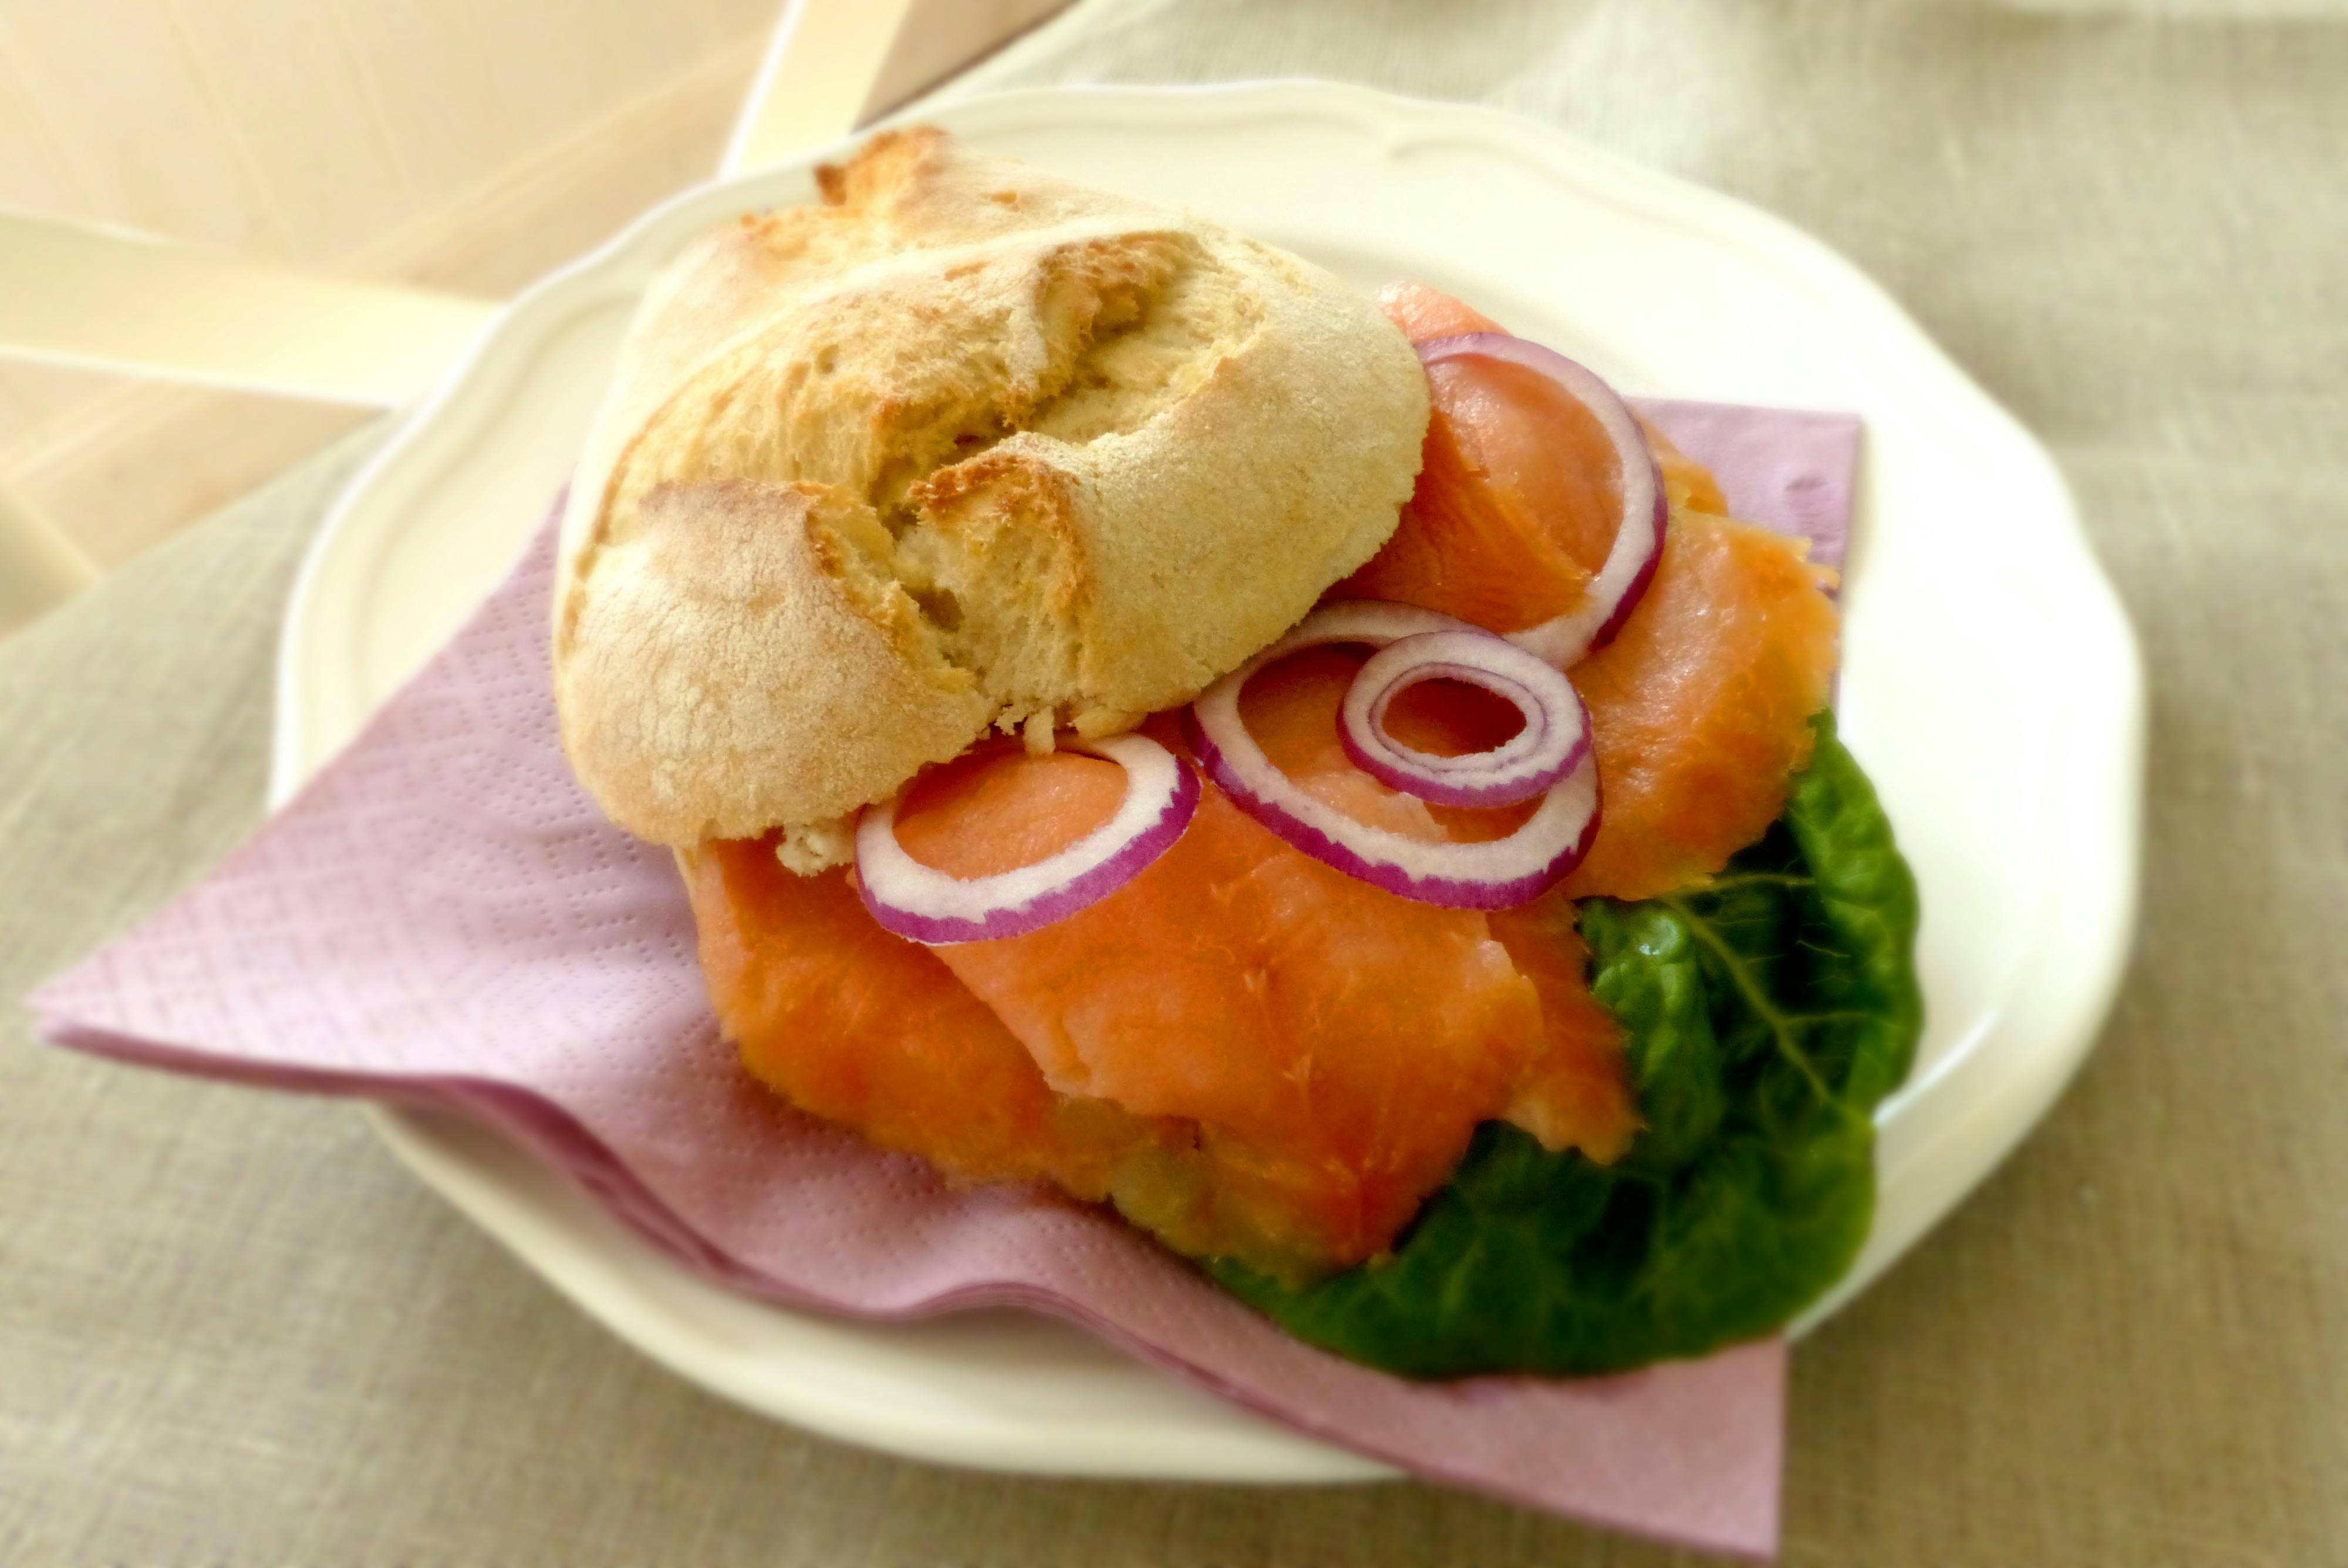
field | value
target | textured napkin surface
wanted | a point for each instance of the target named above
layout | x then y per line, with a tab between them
443	919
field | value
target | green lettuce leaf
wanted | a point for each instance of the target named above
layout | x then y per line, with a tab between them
1766	1015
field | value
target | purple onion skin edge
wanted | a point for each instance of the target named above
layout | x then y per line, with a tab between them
1468	796
1645	576
1447	892
1051	908
1464	793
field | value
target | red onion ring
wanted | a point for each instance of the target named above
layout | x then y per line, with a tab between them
1638	545
926	905
1555	737
1498	874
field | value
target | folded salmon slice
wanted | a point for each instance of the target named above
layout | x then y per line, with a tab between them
1700	707
1506	424
861	1026
1250	1053
1335	1045
1571	1093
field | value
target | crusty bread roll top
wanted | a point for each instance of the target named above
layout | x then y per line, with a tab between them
963	447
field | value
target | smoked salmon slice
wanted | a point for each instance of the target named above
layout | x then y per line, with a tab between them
1530	449
1336	1046
1700	708
1250	1053
859	1027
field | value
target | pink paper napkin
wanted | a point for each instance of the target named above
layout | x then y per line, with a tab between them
442	919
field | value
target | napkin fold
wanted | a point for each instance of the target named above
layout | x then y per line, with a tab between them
442	919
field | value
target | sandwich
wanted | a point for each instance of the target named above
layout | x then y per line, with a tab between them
1314	774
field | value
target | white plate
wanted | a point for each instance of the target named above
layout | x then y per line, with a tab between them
1991	684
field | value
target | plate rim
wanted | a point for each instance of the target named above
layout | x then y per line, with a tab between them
1898	347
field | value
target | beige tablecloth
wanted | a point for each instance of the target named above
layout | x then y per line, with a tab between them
233	1332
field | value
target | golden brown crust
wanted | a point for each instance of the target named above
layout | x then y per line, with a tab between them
672	660
961	445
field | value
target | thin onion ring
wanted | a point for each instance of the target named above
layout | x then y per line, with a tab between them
1555	735
926	905
1638	547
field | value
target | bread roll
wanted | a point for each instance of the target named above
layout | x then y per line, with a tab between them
962	447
